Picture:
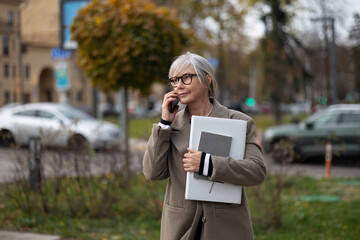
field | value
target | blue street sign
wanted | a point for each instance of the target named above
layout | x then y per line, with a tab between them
58	53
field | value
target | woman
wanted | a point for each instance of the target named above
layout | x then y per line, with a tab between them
167	156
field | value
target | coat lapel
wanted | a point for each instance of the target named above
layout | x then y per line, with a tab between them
181	131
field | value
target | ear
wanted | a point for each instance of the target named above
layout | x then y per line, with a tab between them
209	78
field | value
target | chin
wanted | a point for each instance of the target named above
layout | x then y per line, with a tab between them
185	101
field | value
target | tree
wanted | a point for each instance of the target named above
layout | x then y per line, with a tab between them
220	39
127	43
355	51
281	65
275	58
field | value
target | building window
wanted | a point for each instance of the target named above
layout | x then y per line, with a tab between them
14	97
6	97
5	45
27	71
11	18
26	97
13	43
14	71
79	96
6	70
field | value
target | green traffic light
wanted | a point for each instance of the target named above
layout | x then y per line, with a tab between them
322	100
250	102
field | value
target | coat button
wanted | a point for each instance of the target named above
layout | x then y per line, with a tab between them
203	219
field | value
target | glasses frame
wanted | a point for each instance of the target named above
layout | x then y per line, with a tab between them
178	79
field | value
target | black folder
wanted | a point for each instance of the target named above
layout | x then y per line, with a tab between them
215	144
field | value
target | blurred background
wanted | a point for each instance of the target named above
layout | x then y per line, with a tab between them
283	62
270	56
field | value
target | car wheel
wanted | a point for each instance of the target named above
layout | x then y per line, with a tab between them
282	150
78	142
6	139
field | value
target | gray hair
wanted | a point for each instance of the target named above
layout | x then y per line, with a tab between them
202	68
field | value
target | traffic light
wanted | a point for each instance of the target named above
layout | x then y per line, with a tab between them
250	102
322	100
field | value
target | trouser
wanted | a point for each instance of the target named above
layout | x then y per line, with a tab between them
198	230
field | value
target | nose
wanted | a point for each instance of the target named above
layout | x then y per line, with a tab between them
180	83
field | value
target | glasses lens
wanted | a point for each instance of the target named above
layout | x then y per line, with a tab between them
173	82
186	79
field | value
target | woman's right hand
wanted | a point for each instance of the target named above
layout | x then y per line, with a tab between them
165	109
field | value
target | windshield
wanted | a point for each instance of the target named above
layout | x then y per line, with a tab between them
313	118
324	117
75	114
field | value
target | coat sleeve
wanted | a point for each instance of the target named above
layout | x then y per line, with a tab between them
155	162
247	172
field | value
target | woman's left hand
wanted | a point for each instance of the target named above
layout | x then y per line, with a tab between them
191	160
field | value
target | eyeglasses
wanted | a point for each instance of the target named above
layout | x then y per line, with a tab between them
186	79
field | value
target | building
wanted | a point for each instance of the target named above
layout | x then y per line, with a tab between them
41	35
10	84
39	21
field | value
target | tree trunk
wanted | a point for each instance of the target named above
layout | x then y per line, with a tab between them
125	128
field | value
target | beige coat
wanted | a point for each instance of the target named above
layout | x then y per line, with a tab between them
163	159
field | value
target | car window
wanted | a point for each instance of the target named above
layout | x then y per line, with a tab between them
75	114
328	118
350	118
27	113
44	114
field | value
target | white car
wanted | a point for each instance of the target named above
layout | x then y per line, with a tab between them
57	125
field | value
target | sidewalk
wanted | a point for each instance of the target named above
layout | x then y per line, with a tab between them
7	235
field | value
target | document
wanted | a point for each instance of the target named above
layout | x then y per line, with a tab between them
214	144
219	137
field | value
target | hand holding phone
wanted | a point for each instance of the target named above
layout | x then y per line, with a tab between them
174	104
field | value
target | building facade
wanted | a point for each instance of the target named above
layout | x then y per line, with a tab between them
10	84
28	76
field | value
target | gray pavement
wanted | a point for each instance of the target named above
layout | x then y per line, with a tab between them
8	235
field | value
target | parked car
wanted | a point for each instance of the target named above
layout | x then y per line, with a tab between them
338	124
57	125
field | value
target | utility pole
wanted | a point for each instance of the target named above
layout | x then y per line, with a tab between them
333	57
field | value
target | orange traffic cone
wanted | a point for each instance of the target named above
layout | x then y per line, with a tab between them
328	158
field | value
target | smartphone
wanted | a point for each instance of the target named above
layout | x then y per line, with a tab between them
173	105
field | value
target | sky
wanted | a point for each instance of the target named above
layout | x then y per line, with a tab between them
255	28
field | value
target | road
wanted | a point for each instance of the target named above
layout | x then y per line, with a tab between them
14	162
56	164
316	169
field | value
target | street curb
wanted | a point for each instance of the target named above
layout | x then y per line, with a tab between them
8	235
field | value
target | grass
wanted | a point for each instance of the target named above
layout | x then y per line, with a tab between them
300	219
132	216
138	127
315	219
141	127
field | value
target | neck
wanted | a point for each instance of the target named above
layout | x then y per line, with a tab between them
202	108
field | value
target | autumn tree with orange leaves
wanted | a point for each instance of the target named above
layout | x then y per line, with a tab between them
127	43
